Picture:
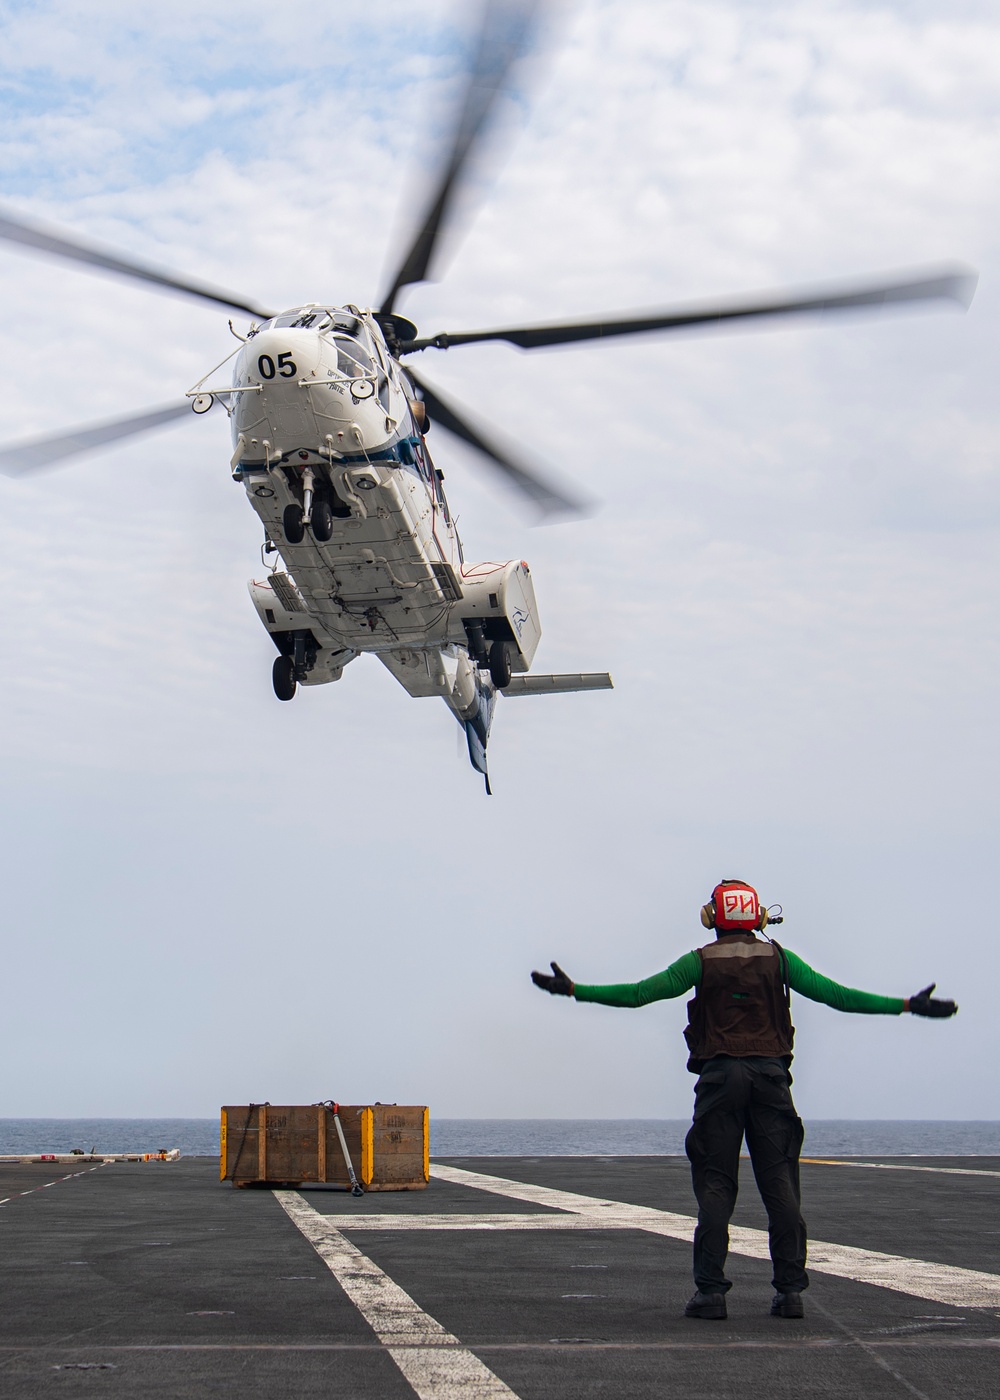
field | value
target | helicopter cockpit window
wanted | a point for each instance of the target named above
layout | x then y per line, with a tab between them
314	317
352	359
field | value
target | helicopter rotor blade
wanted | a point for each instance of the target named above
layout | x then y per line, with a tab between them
552	501
32	235
504	30
47	451
951	284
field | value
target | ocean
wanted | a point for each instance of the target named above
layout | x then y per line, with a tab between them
520	1137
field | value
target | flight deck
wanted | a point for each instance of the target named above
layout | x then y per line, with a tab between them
554	1277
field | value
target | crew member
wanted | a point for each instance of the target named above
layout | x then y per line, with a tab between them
739	1035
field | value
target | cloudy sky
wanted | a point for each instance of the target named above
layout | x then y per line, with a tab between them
793	570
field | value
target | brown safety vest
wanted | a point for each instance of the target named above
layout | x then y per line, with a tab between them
742	1005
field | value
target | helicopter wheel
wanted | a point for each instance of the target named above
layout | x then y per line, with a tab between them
322	522
500	664
283	677
292	525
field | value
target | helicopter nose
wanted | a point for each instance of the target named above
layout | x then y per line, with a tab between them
283	356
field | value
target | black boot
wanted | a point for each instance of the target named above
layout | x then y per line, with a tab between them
787	1305
711	1306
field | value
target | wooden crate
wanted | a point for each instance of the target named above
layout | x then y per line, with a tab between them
389	1145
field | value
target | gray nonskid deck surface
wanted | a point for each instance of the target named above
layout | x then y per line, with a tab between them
176	1285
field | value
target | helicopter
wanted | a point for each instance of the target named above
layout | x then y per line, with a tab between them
329	423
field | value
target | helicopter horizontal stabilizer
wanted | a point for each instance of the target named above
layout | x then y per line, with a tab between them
558	685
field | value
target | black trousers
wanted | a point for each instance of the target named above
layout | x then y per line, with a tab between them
748	1096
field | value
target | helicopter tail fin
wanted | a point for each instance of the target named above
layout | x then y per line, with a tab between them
477	753
477	730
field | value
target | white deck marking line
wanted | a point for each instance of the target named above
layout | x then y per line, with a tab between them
434	1362
31	1191
938	1283
898	1167
468	1221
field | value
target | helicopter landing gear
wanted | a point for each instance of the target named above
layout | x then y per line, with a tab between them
321	523
293	523
283	677
500	664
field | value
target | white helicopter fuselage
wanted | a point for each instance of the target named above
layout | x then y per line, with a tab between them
327	445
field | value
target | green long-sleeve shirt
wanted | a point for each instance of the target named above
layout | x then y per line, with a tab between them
685	973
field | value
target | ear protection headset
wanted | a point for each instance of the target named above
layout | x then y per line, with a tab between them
734	908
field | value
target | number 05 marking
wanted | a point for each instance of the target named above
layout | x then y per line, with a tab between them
286	366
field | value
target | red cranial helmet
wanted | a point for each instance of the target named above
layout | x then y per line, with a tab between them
734	908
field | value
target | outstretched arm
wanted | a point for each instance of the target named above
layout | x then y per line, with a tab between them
809	983
674	981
